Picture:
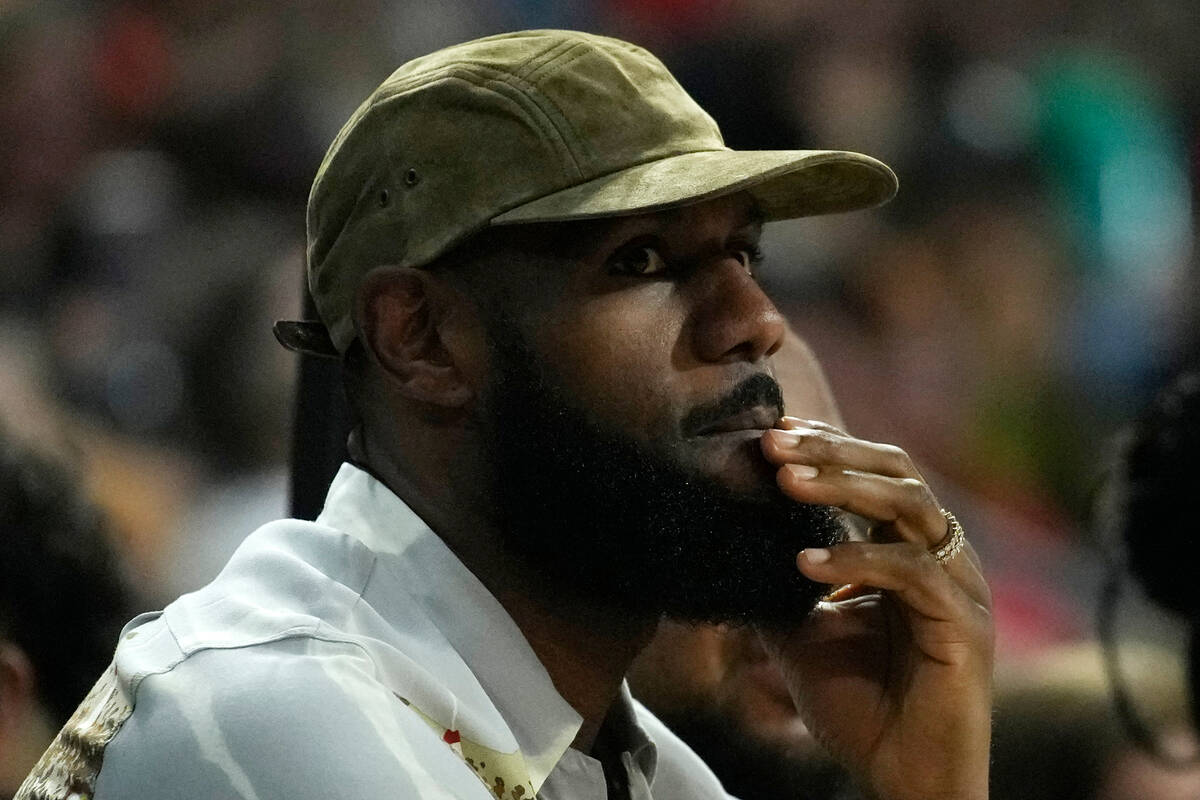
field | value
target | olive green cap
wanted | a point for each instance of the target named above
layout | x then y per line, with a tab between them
534	126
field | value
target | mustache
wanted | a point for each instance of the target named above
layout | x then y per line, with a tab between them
757	390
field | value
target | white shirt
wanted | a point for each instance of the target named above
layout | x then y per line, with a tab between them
353	657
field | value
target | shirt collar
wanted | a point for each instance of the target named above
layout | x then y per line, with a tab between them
472	621
622	718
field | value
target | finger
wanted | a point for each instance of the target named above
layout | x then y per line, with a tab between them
905	504
907	571
972	556
823	442
966	555
816	446
967	572
966	552
791	423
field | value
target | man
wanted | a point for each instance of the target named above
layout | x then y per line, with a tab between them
535	258
62	602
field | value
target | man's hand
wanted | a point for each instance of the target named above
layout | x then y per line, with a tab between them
893	672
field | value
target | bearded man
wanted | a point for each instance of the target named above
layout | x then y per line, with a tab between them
536	259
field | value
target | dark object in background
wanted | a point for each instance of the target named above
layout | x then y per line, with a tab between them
1158	480
63	596
1161	473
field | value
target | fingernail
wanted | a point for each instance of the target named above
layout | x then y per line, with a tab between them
784	439
815	555
803	471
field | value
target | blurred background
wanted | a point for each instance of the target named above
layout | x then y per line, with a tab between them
1025	295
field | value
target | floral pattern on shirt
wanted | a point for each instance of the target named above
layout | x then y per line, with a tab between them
68	768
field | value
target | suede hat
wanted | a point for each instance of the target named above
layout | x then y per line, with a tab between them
534	126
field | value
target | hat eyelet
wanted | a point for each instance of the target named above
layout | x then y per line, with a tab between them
411	178
385	197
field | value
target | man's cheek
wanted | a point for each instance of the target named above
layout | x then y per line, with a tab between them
623	393
645	410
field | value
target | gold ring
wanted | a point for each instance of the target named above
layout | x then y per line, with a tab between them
951	543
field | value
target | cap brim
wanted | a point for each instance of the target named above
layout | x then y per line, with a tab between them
307	337
786	184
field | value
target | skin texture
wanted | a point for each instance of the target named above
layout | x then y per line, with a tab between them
896	684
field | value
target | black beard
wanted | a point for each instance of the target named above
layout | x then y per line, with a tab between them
606	521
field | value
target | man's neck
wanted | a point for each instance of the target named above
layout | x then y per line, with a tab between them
586	650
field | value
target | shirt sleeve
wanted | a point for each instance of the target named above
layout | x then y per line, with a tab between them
293	719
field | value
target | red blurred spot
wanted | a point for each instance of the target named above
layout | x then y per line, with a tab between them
1030	617
675	17
132	62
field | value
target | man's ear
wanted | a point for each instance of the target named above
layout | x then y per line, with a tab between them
409	321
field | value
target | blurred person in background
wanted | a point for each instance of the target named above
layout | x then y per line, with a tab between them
1151	510
63	600
1151	535
717	686
116	225
599	367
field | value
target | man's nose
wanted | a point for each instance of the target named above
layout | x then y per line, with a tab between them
735	319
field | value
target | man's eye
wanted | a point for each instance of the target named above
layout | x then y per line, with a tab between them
641	260
749	256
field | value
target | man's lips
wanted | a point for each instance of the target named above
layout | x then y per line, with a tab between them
758	418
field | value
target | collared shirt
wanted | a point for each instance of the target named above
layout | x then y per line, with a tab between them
353	657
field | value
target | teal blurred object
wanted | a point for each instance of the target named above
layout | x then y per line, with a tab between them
1114	154
1113	157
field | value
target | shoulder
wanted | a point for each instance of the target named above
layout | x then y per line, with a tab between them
289	578
679	772
294	718
269	682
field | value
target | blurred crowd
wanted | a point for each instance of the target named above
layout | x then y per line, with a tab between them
1032	285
